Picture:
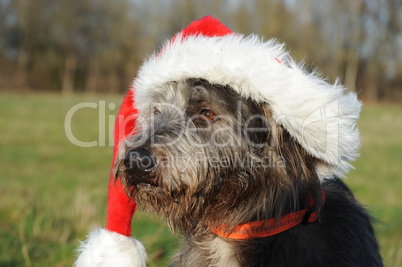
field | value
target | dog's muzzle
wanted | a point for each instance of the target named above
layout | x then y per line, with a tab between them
139	162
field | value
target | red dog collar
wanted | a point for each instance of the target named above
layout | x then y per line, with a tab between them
271	226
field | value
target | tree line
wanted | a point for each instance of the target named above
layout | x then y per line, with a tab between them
98	45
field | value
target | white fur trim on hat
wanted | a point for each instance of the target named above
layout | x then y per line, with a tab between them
104	249
319	115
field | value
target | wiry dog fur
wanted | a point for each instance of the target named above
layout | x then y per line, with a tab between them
222	159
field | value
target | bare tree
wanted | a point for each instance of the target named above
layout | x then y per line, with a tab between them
97	46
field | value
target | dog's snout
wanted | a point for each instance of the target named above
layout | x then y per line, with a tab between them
139	162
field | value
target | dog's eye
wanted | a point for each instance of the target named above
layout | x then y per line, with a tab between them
156	111
207	115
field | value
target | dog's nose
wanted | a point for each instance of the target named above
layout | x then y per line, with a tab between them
139	162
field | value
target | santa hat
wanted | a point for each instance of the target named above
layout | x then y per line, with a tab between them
319	115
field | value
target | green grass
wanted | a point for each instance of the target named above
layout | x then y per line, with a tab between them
53	192
376	181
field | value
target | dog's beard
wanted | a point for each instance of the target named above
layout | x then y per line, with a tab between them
173	189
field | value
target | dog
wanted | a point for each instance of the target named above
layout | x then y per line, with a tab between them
209	159
242	150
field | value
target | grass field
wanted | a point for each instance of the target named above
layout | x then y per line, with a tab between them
53	192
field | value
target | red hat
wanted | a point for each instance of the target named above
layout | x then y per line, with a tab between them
120	209
319	115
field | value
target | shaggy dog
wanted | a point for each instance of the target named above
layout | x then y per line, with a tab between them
210	158
242	150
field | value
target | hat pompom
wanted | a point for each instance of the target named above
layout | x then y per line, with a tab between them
106	248
114	245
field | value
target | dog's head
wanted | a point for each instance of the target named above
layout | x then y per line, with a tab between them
231	129
202	154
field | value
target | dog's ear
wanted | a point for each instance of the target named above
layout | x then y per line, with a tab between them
298	162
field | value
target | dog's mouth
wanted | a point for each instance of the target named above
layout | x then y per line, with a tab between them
145	185
146	188
141	182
